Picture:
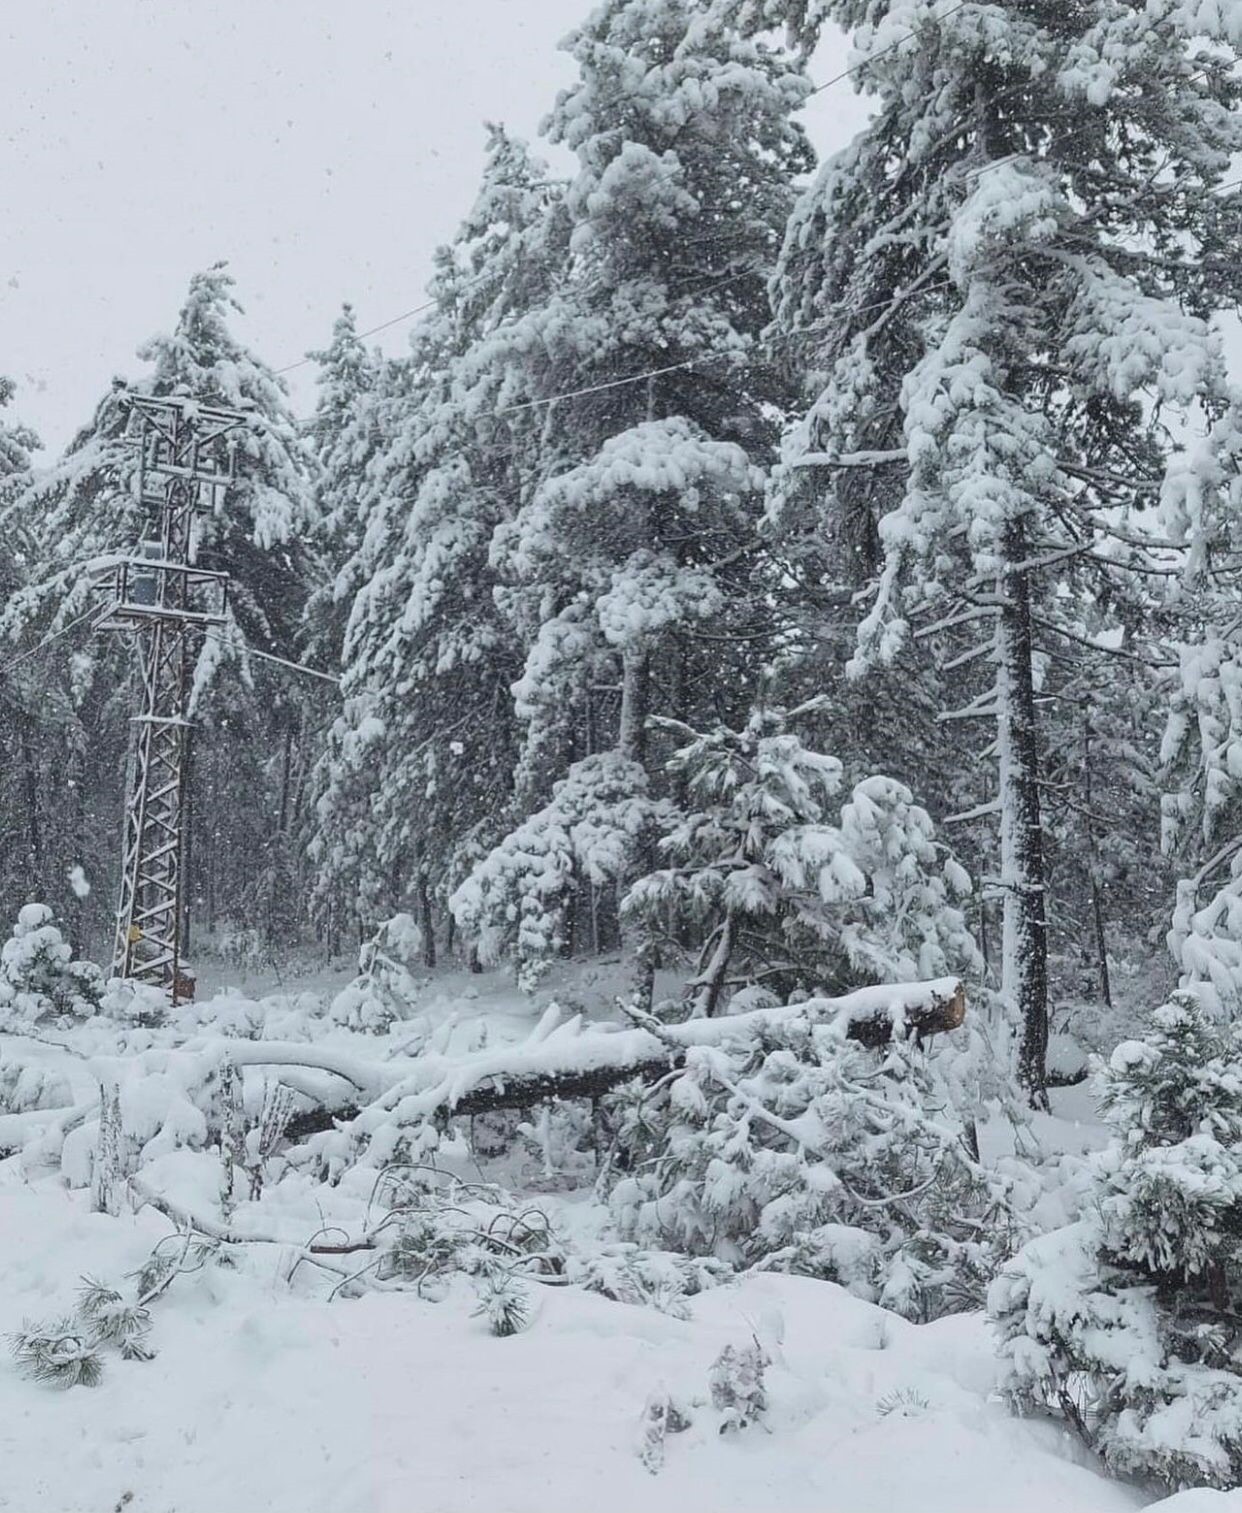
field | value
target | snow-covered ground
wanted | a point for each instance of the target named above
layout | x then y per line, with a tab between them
267	1395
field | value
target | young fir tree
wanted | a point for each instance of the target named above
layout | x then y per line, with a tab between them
790	889
86	511
1125	1323
1006	280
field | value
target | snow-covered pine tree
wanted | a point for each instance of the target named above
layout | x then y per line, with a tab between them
790	890
1007	280
345	433
22	870
357	391
1125	1322
686	145
421	757
633	567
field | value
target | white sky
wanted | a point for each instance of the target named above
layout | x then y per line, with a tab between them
324	147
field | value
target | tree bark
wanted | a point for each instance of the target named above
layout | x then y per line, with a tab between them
1093	861
1024	966
31	777
635	693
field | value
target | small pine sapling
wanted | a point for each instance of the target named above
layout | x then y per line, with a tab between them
384	988
39	980
737	1386
504	1303
790	889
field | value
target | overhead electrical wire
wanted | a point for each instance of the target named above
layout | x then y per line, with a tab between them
879	53
47	641
819	89
267	656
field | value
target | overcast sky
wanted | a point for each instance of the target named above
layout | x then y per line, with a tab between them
324	147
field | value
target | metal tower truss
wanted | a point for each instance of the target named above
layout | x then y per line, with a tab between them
186	454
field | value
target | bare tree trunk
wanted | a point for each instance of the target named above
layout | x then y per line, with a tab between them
1024	969
635	692
426	921
1093	861
34	838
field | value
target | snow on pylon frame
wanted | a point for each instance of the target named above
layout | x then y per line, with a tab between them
186	450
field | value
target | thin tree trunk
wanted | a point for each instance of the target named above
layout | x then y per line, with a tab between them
1093	861
1024	969
635	692
33	835
712	980
286	767
425	919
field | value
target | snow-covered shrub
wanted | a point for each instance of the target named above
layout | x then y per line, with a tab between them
804	1152
737	1389
652	1278
780	880
661	1417
26	1086
385	987
516	900
39	979
437	1226
1125	1322
134	1003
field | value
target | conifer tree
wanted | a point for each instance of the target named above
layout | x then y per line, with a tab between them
421	757
639	547
632	570
1123	1322
21	848
1007	279
345	431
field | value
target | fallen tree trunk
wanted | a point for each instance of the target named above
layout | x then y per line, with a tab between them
172	1094
576	1061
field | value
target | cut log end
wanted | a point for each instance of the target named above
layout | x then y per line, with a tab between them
938	1015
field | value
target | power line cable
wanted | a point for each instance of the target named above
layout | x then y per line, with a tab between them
819	89
879	53
267	656
362	335
47	641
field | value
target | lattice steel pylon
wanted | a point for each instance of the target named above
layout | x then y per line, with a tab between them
186	454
